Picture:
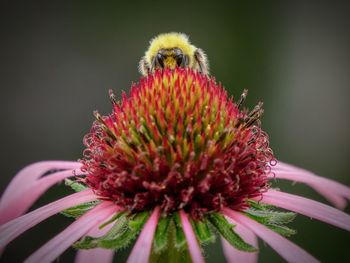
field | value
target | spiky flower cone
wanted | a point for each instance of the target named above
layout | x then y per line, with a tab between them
177	142
175	159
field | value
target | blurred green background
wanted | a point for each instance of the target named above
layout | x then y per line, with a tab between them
58	60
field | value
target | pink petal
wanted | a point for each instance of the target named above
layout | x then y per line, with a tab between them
335	192
15	227
142	249
234	255
192	243
288	250
31	193
56	246
100	255
338	201
31	173
308	207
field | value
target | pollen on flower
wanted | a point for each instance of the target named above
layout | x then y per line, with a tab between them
178	142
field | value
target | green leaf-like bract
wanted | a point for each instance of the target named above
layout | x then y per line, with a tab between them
119	236
226	230
79	210
171	254
270	216
160	241
275	220
180	239
88	242
114	218
77	187
282	230
259	205
203	231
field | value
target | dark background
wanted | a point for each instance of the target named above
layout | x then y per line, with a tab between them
58	60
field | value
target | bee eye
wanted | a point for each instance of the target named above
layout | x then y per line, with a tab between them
160	59
179	59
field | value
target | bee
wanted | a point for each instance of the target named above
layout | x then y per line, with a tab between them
172	50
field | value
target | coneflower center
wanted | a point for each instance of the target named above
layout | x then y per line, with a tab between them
178	142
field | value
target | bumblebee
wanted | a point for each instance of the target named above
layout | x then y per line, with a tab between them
172	50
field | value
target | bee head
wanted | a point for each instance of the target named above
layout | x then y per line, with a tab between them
170	58
172	50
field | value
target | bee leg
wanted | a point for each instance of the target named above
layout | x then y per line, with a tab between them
201	61
185	61
153	65
144	68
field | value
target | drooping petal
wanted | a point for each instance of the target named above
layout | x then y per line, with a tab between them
337	200
234	255
192	242
142	249
308	207
56	246
31	173
335	192
288	250
31	194
99	255
15	227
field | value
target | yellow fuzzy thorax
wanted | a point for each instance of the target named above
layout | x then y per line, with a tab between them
168	41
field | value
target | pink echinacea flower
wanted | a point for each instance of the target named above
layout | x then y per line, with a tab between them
176	163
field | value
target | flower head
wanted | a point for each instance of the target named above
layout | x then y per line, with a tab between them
173	160
177	142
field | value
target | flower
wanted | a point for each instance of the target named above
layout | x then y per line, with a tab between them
173	161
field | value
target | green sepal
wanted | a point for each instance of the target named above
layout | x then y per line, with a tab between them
226	230
180	239
118	228
282	230
259	205
170	254
77	187
89	242
160	241
114	218
79	210
137	221
275	220
270	216
203	232
122	240
120	235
